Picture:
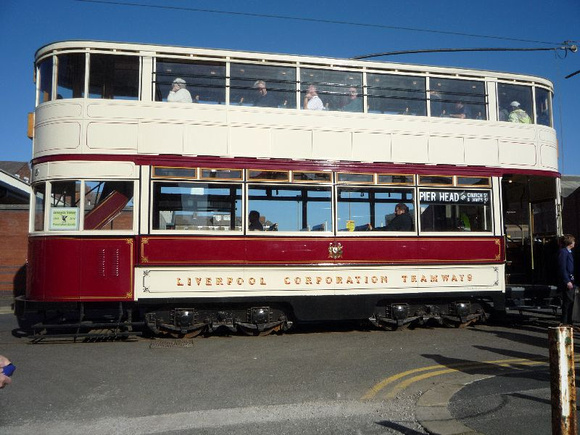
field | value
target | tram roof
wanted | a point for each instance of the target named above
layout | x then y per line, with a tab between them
302	60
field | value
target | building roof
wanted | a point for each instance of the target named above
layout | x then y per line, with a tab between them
569	183
14	182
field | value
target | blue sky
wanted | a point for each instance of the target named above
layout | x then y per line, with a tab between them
378	26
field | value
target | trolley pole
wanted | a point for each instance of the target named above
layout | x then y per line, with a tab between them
562	380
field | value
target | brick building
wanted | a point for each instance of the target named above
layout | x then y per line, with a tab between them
14	204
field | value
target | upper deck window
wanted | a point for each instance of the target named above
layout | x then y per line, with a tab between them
200	82
394	94
515	103
71	76
45	72
543	107
462	99
263	86
114	77
331	90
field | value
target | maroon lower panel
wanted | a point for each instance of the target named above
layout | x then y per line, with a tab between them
186	250
74	268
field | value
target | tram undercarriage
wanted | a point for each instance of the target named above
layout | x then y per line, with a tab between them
184	319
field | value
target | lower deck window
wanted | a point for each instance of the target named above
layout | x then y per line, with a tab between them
197	206
369	208
289	208
455	210
108	205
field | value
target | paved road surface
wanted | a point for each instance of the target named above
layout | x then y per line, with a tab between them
318	380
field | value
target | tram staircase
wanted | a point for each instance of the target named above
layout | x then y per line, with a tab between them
528	300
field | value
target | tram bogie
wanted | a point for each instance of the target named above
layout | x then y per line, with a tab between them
401	315
192	321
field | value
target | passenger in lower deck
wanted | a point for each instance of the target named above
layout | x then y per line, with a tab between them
401	222
254	221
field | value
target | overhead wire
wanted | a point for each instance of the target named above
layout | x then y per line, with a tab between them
458	50
311	20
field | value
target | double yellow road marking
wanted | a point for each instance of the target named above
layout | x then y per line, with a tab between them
400	381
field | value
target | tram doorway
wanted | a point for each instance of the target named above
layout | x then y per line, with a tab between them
531	229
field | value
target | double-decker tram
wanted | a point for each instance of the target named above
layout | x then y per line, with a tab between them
186	190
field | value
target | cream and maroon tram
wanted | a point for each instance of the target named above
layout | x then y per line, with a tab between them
190	189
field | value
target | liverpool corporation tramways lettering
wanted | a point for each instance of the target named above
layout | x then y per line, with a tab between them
321	280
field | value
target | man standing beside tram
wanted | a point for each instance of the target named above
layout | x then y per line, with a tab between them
566	285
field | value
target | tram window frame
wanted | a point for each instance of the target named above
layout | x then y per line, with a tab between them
118	196
114	76
473	181
445	93
311	177
205	80
396	179
543	107
355	178
453	210
39	203
64	206
277	217
367	221
173	172
267	175
279	81
201	221
395	94
510	92
436	180
70	78
221	174
45	76
333	88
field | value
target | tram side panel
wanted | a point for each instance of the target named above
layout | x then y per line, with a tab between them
320	278
80	269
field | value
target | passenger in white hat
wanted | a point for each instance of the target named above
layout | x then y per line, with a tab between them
518	115
178	92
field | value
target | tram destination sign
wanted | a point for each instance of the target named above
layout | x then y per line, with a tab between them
454	197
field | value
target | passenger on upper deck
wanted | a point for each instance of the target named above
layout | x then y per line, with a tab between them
312	101
402	220
263	99
459	110
255	224
518	115
178	93
354	102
